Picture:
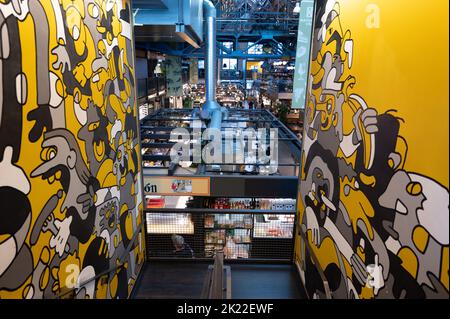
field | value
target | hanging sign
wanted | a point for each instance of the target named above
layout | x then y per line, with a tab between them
173	76
176	186
303	54
193	71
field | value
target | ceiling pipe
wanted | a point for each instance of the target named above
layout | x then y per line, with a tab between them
211	110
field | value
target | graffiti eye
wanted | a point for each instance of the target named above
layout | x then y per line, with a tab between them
93	10
48	153
93	126
75	33
414	188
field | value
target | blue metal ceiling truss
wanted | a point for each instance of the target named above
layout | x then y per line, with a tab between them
277	49
244	21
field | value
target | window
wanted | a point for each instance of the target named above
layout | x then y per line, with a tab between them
229	64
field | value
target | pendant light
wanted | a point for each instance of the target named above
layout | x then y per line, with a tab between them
297	7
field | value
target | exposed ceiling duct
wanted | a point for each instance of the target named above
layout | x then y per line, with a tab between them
211	110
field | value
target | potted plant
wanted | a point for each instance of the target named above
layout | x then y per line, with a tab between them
282	111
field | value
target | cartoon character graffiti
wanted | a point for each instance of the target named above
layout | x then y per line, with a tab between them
379	231
69	165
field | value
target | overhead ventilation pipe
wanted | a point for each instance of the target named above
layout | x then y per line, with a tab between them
211	110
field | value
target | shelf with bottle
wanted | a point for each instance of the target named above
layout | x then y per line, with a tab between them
228	221
281	204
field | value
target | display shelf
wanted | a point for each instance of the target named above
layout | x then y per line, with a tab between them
223	211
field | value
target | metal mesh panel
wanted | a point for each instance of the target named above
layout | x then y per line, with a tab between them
238	235
274	226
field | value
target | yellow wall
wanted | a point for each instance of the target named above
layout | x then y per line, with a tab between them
374	184
70	169
403	65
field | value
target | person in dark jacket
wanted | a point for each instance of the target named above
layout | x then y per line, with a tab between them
182	249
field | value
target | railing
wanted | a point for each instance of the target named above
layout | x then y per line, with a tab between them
217	283
316	262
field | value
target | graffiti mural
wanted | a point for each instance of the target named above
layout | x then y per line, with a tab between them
379	228
70	172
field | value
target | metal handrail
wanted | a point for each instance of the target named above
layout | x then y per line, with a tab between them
213	287
121	265
316	263
217	278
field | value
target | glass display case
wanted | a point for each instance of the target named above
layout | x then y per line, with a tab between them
169	223
164	222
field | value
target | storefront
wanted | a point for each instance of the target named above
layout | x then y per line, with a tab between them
250	215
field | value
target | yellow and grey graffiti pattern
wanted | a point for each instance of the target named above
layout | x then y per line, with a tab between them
379	230
70	185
